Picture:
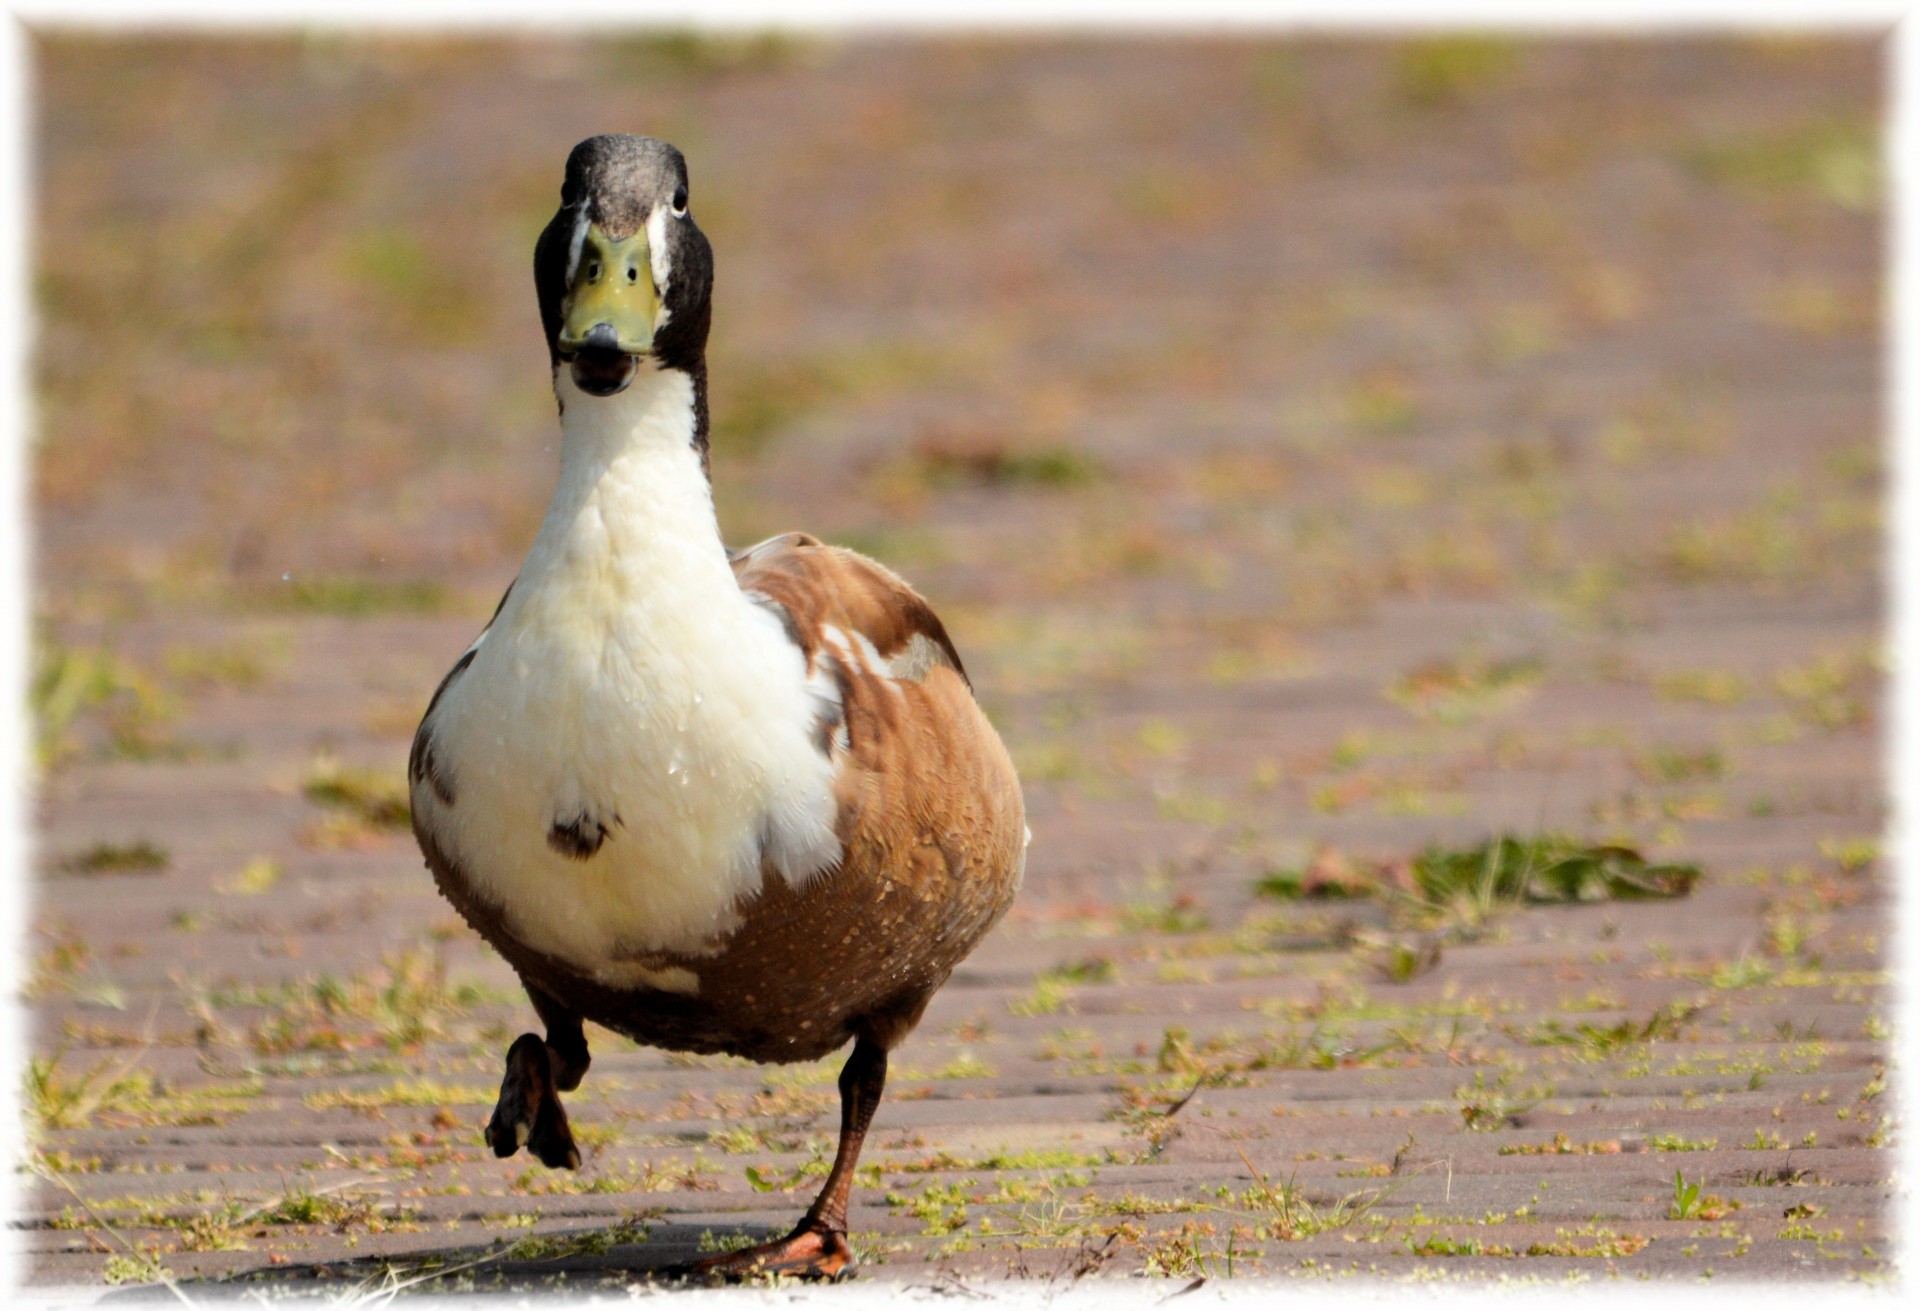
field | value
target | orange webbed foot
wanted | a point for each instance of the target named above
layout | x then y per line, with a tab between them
811	1251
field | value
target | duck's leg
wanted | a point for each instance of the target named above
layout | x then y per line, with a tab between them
529	1113
817	1247
566	1040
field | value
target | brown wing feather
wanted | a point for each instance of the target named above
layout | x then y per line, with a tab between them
817	585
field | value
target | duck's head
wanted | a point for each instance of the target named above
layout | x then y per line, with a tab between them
624	274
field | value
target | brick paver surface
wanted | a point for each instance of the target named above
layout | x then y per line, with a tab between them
1321	451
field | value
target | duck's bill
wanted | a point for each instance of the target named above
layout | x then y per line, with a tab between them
602	372
609	313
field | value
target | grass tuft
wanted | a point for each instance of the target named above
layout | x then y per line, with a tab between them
1542	869
103	858
1436	72
59	1099
82	693
355	597
402	1004
369	797
1825	159
1453	691
1465	887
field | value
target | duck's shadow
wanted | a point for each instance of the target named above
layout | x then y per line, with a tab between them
610	1256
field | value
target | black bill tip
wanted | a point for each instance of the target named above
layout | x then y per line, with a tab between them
598	371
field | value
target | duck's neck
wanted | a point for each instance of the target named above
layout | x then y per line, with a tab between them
633	507
661	411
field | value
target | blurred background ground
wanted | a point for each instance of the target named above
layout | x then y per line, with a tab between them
1327	454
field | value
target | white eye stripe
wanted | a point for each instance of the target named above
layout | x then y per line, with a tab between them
661	258
578	241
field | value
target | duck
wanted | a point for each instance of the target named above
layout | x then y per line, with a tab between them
738	802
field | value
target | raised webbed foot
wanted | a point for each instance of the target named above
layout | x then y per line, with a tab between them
529	1113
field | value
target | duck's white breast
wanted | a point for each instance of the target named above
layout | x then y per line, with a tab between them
627	685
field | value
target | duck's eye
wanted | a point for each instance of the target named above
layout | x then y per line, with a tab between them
633	275
680	200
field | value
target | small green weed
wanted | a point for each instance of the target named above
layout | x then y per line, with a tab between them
403	1092
56	1099
1488	1106
1435	72
1599	1042
1852	855
399	1005
256	877
1680	765
1380	402
370	797
1328	876
84	697
1718	687
1181	913
1454	691
240	664
142	857
1561	1145
1285	1213
1686	1199
141	1266
1830	692
1828	159
355	597
1053	989
1689	1203
1601	1244
1442	1245
1469	884
947	460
